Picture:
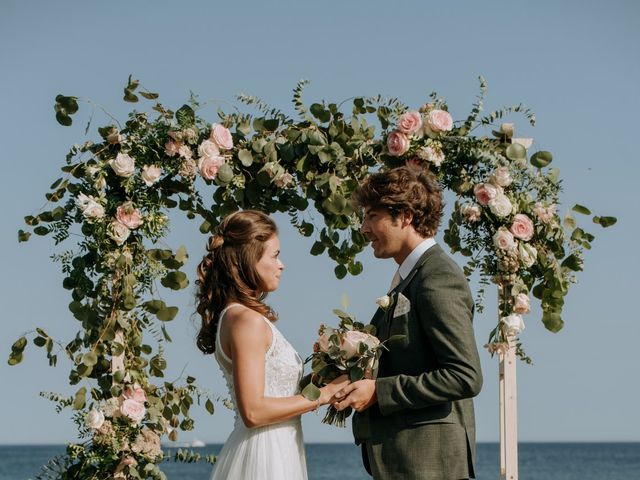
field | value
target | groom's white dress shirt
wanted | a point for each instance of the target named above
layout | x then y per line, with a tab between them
405	268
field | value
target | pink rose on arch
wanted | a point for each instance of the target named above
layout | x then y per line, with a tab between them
410	122
185	152
485	192
135	411
221	136
397	143
544	213
208	149
209	166
438	121
135	392
171	148
522	227
352	340
129	216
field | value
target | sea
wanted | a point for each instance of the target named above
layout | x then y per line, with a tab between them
537	461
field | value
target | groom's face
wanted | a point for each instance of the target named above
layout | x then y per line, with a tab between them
385	233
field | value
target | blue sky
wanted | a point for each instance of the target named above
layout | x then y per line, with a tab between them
574	63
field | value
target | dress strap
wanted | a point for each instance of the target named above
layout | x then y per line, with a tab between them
219	348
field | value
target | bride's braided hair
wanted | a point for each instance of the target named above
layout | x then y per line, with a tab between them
227	272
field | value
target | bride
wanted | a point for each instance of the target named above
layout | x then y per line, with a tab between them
261	368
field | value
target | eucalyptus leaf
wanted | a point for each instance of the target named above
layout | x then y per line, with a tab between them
80	398
605	221
175	280
355	374
311	392
245	157
581	209
225	173
167	314
516	152
552	321
90	359
541	159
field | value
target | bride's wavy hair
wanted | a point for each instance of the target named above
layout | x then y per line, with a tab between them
227	272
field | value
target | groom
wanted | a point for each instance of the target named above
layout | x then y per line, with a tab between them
416	420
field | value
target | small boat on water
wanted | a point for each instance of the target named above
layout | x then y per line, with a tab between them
196	443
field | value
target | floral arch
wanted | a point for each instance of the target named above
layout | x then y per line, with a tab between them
115	193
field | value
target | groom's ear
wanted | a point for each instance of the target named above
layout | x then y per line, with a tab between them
406	218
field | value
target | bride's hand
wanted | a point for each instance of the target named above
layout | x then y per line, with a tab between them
328	391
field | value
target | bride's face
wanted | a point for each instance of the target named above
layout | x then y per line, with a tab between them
269	267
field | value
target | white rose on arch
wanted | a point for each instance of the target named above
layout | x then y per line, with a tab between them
500	205
118	232
89	206
513	324
123	165
94	419
501	177
521	304
527	254
503	239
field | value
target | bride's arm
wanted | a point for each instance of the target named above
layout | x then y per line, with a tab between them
249	338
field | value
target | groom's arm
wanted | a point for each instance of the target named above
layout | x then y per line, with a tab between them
444	308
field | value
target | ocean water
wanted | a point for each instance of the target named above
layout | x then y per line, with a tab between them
538	461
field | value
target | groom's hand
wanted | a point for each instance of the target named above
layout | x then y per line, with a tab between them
358	395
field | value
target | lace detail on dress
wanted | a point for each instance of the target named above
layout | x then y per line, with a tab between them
283	366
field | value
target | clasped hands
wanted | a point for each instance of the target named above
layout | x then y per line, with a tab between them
358	395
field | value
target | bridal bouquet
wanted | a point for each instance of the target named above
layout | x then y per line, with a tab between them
350	349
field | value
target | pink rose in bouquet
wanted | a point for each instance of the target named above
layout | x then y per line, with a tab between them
351	349
351	341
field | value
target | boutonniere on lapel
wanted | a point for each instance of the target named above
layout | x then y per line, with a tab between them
385	302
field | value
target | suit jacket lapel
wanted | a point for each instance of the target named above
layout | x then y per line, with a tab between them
383	324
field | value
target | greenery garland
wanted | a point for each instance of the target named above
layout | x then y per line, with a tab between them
117	192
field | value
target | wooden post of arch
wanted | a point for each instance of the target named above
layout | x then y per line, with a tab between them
508	413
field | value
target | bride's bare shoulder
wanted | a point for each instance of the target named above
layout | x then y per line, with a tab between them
243	322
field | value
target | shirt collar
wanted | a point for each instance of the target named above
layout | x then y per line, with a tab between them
414	256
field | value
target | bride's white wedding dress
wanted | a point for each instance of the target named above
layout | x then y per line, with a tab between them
272	452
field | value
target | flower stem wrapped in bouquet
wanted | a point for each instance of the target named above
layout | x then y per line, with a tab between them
350	349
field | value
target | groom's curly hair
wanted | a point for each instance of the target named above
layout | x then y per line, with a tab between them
404	190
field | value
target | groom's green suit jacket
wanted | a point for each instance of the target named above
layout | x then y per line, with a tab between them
423	425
